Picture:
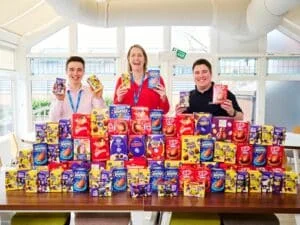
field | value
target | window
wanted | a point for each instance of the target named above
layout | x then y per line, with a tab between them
100	66
7	59
96	40
150	38
191	39
237	66
47	66
56	43
179	70
278	42
283	66
6	109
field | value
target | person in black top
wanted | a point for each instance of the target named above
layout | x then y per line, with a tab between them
201	97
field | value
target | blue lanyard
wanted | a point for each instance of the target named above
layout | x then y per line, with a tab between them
136	95
71	101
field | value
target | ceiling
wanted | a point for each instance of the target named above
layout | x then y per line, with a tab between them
32	19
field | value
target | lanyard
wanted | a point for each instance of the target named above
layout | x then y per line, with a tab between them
71	101
136	95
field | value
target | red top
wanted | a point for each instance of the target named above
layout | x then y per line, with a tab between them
148	97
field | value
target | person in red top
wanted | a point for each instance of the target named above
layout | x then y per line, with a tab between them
139	94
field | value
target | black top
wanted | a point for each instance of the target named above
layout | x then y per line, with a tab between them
201	102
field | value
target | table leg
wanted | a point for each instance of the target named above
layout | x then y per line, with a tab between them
297	218
142	217
165	218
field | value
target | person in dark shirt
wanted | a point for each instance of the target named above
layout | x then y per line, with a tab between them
200	99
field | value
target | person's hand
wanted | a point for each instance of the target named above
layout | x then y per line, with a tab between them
121	91
159	89
97	94
227	106
59	96
180	109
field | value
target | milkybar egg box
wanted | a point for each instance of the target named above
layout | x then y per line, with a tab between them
64	127
275	156
82	149
220	93
118	126
40	132
255	181
52	133
240	131
222	128
279	135
119	179
144	175
94	179
95	83
99	149
219	153
169	126
194	189
67	177
125	79
118	147
184	99
290	182
81	125
31	181
53	153
139	112
24	159
137	146
21	175
99	122
155	147
66	152
207	151
11	180
185	124
259	155
55	180
190	149
156	118
119	111
242	182
173	148
153	78
59	86
255	134
229	152
230	181
43	183
40	154
132	176
244	155
217	180
140	126
267	134
203	122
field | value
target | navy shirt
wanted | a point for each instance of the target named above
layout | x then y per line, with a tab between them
201	102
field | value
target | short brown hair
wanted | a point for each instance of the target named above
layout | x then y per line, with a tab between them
144	54
75	59
201	62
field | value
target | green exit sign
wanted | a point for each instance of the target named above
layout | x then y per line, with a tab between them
179	53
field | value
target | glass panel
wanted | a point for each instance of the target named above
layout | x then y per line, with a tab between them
56	43
278	42
182	70
7	59
145	37
237	66
6	110
96	39
191	38
41	98
100	66
47	66
287	66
